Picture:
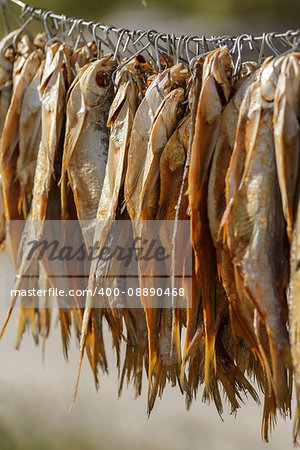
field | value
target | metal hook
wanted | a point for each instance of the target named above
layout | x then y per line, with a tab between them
261	54
31	11
130	36
78	26
64	32
286	38
98	41
157	53
109	43
138	42
141	34
229	41
151	43
113	76
238	45
44	17
295	47
205	44
121	33
168	45
187	48
179	46
253	44
197	58
270	43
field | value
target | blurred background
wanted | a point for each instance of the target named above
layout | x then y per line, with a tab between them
185	16
35	397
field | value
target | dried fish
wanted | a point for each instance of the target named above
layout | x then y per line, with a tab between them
87	140
214	95
52	91
255	229
286	133
30	133
10	153
154	96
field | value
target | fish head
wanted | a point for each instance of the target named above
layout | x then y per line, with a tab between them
81	57
219	64
96	80
57	60
248	67
268	80
40	41
178	75
7	54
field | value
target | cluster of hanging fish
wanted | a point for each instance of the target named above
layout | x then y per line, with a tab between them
218	149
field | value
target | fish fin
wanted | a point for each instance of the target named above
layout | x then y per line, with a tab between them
83	337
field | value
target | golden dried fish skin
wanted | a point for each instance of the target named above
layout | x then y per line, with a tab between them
287	132
87	139
255	230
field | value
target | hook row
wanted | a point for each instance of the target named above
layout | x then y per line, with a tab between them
126	44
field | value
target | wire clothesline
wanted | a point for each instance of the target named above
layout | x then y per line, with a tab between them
156	44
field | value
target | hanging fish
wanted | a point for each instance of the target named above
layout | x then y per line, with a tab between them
10	153
286	133
286	122
52	91
167	114
254	228
171	172
121	114
241	323
193	295
7	56
214	95
30	133
155	95
87	140
132	85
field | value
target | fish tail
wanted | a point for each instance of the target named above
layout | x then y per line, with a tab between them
26	315
90	352
176	339
34	328
263	354
210	357
94	356
153	387
151	374
193	294
22	320
184	382
269	414
296	425
65	323
228	382
280	358
83	337
193	346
